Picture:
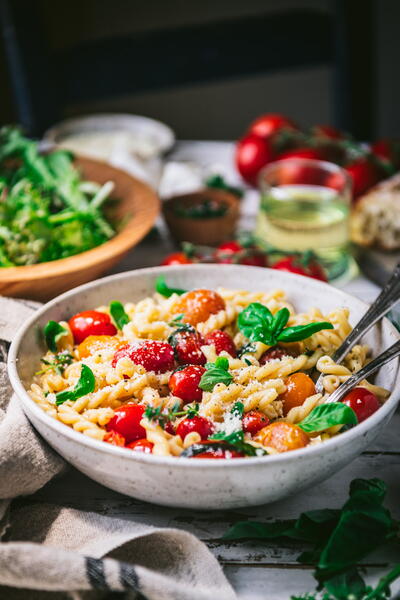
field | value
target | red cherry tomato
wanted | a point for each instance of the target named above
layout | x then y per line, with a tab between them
274	353
328	132
311	153
252	154
177	258
300	171
253	421
187	346
364	174
185	383
387	151
270	123
218	452
114	438
152	355
363	402
91	322
234	253
200	425
225	251
142	445
222	342
292	265
126	422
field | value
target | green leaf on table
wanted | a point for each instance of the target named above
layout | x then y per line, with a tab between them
118	313
53	331
328	415
166	291
258	324
217	372
85	385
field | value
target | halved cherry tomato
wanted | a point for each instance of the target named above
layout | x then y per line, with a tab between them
222	342
253	421
270	123
96	343
274	353
218	452
152	355
184	383
282	436
293	265
299	386
198	305
126	422
177	258
200	425
187	343
363	402
252	154
141	445
91	322
114	438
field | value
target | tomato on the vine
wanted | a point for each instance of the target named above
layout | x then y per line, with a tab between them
91	322
234	253
328	132
270	123
310	153
388	151
293	264
365	173
252	154
176	258
363	402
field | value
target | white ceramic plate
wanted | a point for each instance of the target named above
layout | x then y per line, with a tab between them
206	483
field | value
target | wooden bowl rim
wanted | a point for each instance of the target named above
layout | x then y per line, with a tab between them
134	230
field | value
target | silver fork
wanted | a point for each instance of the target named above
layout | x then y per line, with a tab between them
363	373
388	297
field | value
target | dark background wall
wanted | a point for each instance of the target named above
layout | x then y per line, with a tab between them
219	109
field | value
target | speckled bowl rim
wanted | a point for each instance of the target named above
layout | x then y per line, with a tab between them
125	453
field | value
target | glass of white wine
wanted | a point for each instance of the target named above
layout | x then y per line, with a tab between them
305	205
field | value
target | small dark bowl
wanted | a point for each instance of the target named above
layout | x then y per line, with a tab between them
206	231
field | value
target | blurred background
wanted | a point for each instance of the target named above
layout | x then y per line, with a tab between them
205	67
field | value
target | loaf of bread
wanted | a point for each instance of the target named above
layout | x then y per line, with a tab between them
375	221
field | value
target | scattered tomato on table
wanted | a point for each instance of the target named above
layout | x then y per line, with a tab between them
176	258
271	123
294	264
364	173
252	154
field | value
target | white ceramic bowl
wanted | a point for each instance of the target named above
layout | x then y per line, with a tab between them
206	483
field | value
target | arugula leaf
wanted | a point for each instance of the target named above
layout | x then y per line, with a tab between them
85	385
118	313
53	331
215	373
258	324
327	415
166	291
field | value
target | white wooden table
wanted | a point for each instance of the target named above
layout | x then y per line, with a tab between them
256	570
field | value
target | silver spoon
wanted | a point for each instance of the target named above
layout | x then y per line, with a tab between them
388	297
363	373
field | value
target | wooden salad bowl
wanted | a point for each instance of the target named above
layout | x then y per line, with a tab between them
138	206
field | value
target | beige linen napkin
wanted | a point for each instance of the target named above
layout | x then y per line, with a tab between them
50	552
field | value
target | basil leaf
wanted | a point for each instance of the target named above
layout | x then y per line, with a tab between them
85	385
215	373
327	415
280	320
238	409
301	332
163	289
236	439
118	314
53	331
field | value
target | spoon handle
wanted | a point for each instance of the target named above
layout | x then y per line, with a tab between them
388	297
363	373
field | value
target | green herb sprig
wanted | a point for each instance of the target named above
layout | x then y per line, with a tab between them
164	416
118	314
258	324
85	385
60	362
339	540
328	415
217	372
53	332
166	291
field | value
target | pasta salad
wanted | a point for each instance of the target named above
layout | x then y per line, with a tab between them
202	374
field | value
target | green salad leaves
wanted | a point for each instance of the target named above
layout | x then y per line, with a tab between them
85	385
258	324
339	540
